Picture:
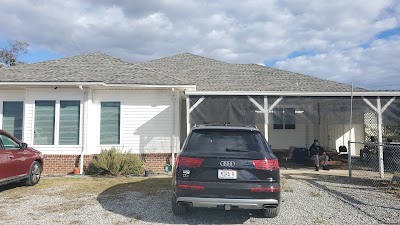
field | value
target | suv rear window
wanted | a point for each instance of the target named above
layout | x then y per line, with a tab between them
223	141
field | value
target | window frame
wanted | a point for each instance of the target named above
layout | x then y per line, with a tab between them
23	117
79	122
119	125
57	122
281	112
54	123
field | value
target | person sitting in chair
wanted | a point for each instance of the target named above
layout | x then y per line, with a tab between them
318	153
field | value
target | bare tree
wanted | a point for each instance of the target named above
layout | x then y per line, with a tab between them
9	55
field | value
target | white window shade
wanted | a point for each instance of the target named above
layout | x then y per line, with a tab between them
13	118
44	122
110	123
69	122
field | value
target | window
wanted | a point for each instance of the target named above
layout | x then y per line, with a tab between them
44	122
69	122
110	123
13	113
225	141
284	118
8	143
49	114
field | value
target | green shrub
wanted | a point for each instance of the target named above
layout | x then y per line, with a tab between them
115	163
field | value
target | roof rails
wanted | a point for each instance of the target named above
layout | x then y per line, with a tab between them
225	124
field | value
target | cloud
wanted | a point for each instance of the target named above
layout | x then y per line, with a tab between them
375	67
233	31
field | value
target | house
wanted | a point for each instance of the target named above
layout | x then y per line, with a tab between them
74	107
71	108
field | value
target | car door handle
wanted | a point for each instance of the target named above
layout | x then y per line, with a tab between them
11	156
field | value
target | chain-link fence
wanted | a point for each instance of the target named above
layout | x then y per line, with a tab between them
376	165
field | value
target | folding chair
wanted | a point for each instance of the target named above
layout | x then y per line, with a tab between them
288	158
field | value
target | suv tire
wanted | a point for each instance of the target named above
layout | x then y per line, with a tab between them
271	212
34	174
178	210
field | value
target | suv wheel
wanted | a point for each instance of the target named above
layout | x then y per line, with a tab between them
34	174
178	210
271	212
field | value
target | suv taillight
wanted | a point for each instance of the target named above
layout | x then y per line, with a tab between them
266	189
266	164
189	162
192	187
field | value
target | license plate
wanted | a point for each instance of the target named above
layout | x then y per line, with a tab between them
227	174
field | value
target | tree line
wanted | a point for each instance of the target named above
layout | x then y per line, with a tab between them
10	54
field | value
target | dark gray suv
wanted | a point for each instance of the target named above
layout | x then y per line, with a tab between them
227	167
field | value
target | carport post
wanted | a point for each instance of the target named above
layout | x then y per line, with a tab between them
350	128
379	110
266	110
380	152
190	109
266	118
187	115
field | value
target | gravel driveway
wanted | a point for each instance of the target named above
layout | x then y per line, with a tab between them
309	198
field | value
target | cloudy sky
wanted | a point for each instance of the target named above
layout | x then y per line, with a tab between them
346	41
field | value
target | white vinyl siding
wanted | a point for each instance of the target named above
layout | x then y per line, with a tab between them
44	122
110	123
69	122
146	120
13	112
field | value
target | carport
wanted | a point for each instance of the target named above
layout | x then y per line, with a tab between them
297	118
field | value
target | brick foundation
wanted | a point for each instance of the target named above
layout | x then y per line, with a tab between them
64	164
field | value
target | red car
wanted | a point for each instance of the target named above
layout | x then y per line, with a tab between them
18	162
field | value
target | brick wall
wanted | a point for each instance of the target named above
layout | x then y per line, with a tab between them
64	164
156	162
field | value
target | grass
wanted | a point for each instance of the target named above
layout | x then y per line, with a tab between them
288	189
319	221
66	206
285	186
73	187
394	191
315	194
3	216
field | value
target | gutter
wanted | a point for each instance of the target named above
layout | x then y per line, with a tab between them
283	93
189	87
152	86
50	83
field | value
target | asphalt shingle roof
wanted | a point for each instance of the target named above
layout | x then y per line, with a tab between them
182	69
95	67
212	75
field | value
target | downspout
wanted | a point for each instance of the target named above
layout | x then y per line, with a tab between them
84	127
175	100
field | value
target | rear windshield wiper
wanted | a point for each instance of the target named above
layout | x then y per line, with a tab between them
236	150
